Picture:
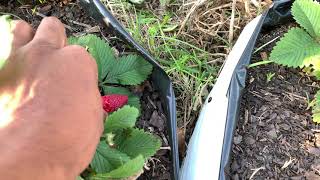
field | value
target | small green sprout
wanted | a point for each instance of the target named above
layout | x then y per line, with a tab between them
270	76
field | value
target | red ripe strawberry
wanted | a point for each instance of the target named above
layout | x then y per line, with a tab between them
113	102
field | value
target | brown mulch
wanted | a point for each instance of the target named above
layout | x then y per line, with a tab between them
275	137
153	120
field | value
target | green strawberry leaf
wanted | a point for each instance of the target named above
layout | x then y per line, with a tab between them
79	178
130	70
99	50
126	170
296	49
307	14
133	100
124	117
316	108
106	159
134	142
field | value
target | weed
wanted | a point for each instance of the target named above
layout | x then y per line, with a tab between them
259	63
270	76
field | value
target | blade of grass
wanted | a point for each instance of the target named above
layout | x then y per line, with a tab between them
259	63
266	44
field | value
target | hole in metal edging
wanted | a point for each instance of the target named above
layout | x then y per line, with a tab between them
210	99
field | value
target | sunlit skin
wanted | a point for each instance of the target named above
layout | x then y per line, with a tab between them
51	115
5	37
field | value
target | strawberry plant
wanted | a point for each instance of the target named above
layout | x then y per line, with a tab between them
123	149
300	46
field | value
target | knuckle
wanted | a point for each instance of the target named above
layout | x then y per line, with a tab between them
77	48
80	54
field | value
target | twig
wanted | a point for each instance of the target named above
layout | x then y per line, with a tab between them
232	21
255	3
315	169
81	24
247	7
287	163
315	130
43	16
219	7
295	95
193	8
256	171
166	148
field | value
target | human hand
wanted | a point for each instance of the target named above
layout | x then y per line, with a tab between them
51	113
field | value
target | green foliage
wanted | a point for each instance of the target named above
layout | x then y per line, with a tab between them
307	14
138	142
125	117
270	76
300	47
126	170
123	152
126	70
107	158
130	70
296	49
79	178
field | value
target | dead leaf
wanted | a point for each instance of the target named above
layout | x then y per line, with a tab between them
181	142
264	56
157	121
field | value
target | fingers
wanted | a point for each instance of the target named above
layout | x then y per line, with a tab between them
22	34
51	32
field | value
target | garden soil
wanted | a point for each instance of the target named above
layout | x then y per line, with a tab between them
78	23
275	137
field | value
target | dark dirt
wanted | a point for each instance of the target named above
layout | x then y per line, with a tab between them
275	137
154	121
77	23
